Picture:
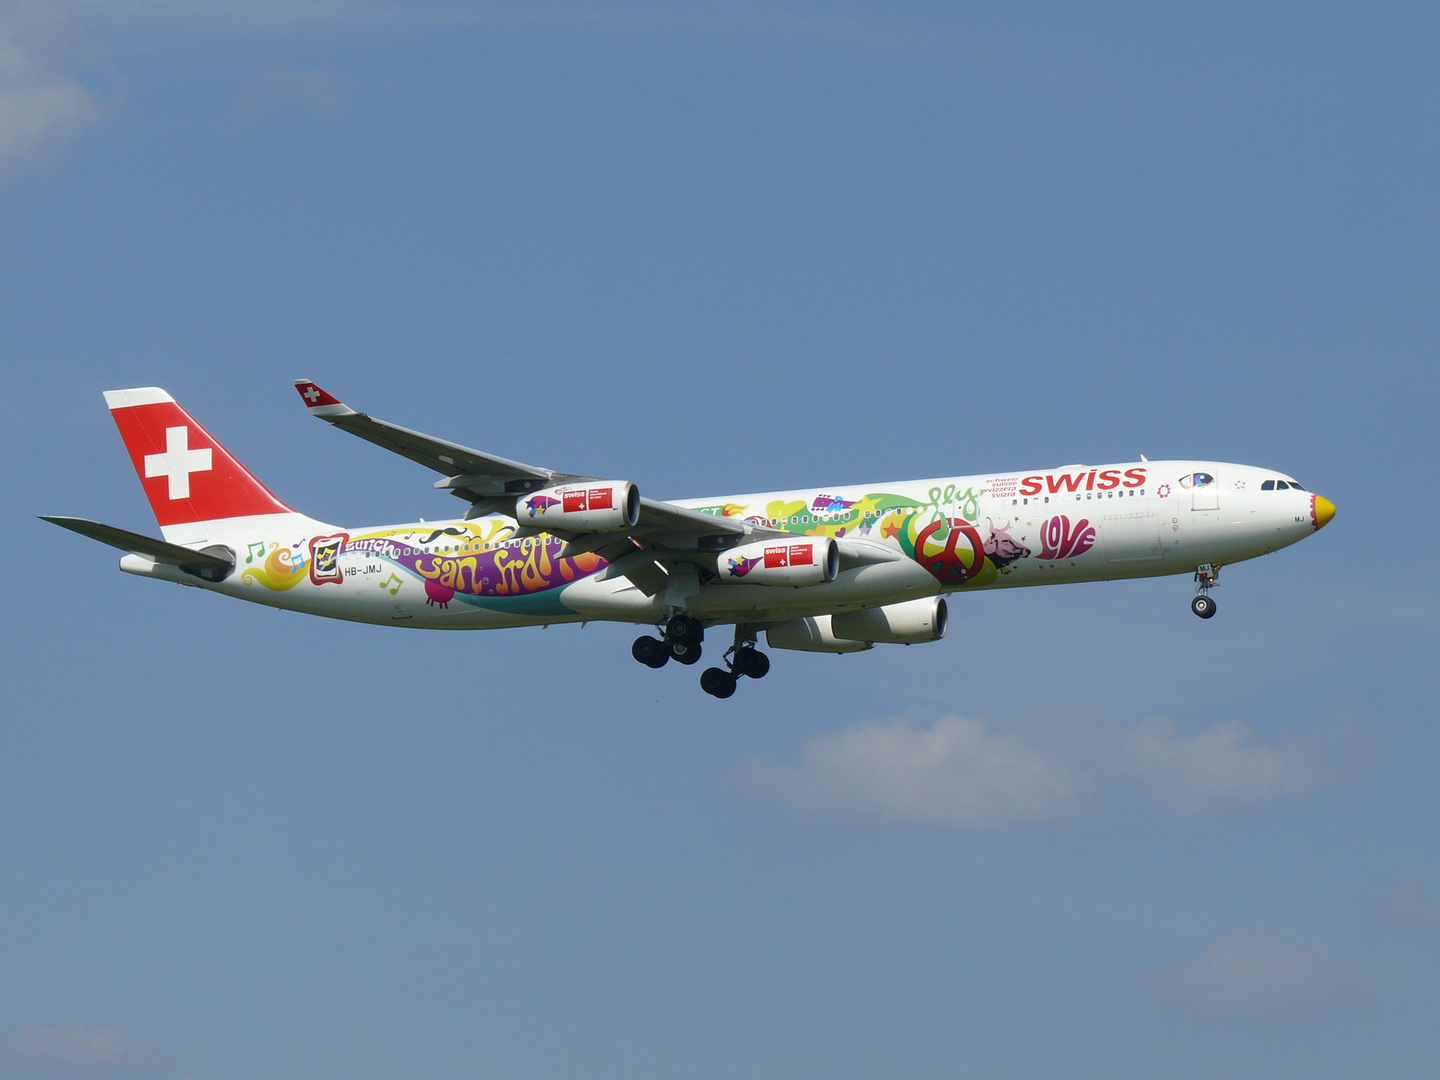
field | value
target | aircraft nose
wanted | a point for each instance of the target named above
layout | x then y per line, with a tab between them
1322	511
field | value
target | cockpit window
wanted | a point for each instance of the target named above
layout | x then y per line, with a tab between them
1296	486
1268	485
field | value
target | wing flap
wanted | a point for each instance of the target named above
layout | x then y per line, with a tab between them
641	569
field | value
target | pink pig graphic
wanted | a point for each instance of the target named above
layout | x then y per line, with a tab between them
437	594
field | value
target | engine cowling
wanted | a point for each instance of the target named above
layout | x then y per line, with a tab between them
809	560
813	634
587	507
912	622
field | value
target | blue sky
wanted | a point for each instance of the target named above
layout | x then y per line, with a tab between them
718	248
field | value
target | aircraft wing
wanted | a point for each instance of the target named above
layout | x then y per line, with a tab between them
470	474
663	533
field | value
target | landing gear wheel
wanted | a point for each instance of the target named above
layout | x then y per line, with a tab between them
717	682
652	652
684	630
685	654
1203	606
751	663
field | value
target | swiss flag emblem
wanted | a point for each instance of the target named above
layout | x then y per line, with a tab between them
313	396
187	475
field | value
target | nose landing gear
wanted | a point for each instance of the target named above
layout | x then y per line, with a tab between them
1207	576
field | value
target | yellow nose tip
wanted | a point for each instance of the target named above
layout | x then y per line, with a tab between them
1324	511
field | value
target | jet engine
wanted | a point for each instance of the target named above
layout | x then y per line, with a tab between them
597	506
808	560
911	622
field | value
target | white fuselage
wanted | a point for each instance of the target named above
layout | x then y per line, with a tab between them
899	542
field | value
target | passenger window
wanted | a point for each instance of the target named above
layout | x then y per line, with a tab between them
1268	485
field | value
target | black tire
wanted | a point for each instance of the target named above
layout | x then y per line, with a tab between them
751	663
684	630
1203	606
717	682
652	652
684	654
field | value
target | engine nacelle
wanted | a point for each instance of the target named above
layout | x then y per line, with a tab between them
597	506
809	560
813	634
912	622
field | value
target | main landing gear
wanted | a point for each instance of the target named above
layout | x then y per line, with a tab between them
682	642
683	636
1207	576
743	659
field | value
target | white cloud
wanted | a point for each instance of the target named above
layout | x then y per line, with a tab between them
961	774
956	773
40	102
1252	975
79	1046
318	91
1221	764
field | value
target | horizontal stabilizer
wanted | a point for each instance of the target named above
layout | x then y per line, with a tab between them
213	564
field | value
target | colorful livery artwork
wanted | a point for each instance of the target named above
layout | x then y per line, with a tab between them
838	569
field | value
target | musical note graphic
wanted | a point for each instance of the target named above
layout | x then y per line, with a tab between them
396	587
257	551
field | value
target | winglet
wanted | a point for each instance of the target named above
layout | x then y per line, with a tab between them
319	402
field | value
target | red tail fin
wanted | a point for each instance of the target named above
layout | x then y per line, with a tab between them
187	475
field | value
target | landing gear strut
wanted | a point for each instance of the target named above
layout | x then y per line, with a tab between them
1207	576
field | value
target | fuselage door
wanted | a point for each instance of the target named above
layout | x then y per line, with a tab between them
1204	491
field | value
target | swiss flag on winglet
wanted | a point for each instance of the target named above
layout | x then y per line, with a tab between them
313	396
187	475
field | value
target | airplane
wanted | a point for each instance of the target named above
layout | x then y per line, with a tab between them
832	570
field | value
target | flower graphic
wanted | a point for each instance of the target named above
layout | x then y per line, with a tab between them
1163	491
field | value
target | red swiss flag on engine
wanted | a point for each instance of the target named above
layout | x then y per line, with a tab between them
187	475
